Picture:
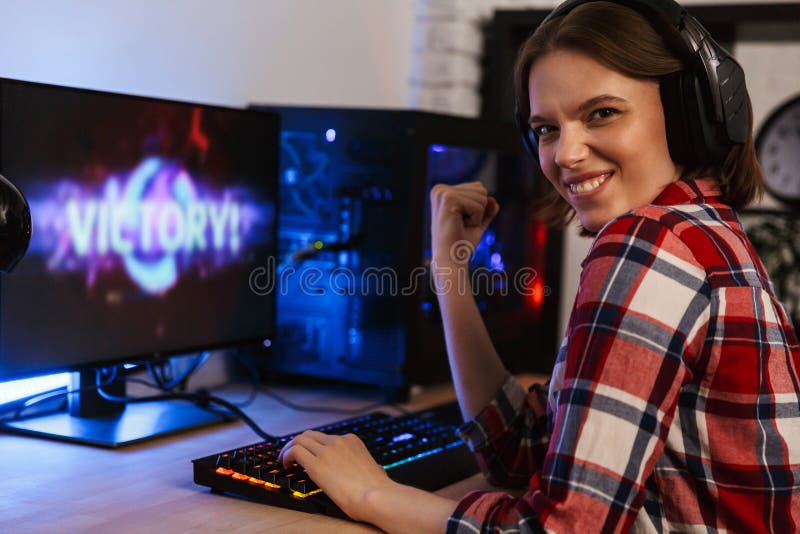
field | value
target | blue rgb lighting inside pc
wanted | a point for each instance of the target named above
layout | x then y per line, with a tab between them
148	218
354	245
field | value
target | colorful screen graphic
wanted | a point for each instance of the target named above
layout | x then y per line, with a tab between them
148	217
155	221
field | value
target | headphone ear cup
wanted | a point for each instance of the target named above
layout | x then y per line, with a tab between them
676	119
694	135
710	132
733	93
708	145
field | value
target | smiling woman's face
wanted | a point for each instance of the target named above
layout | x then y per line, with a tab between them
602	140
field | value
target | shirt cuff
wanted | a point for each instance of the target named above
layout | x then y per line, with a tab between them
473	512
494	419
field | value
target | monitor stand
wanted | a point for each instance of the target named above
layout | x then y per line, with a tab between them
93	420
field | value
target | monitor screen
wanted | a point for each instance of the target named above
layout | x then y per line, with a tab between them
149	218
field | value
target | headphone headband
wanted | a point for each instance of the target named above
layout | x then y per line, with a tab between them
671	11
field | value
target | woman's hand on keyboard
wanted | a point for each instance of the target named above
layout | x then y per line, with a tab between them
340	465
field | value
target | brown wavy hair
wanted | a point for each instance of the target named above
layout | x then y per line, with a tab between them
625	41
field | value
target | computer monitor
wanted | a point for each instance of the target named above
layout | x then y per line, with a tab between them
149	219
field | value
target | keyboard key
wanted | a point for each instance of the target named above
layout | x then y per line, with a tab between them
303	485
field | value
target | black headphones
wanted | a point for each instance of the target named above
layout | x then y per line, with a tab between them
705	105
15	225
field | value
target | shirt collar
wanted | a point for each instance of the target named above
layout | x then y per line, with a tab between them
696	191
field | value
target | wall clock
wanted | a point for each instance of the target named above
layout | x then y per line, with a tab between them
778	151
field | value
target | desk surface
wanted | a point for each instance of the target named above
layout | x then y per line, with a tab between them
46	485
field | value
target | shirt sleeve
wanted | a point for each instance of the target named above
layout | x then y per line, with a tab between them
640	315
509	436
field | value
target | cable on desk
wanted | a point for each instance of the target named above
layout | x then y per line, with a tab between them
255	381
308	408
201	398
305	408
329	409
258	388
161	372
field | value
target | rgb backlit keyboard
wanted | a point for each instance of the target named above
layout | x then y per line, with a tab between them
414	449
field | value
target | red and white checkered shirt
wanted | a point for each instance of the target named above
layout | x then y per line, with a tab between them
674	404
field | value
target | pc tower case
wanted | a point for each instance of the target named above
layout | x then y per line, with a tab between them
355	299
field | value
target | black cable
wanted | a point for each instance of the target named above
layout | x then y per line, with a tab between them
300	408
157	371
328	409
255	381
154	370
202	399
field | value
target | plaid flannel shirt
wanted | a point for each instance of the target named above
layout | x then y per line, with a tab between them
674	403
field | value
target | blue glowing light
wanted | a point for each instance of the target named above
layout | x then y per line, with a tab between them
20	389
427	306
403	437
330	135
412	458
497	262
438	148
290	176
354	336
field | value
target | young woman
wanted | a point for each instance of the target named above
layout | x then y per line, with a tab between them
674	404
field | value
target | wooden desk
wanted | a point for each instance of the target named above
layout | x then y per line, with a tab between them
50	486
